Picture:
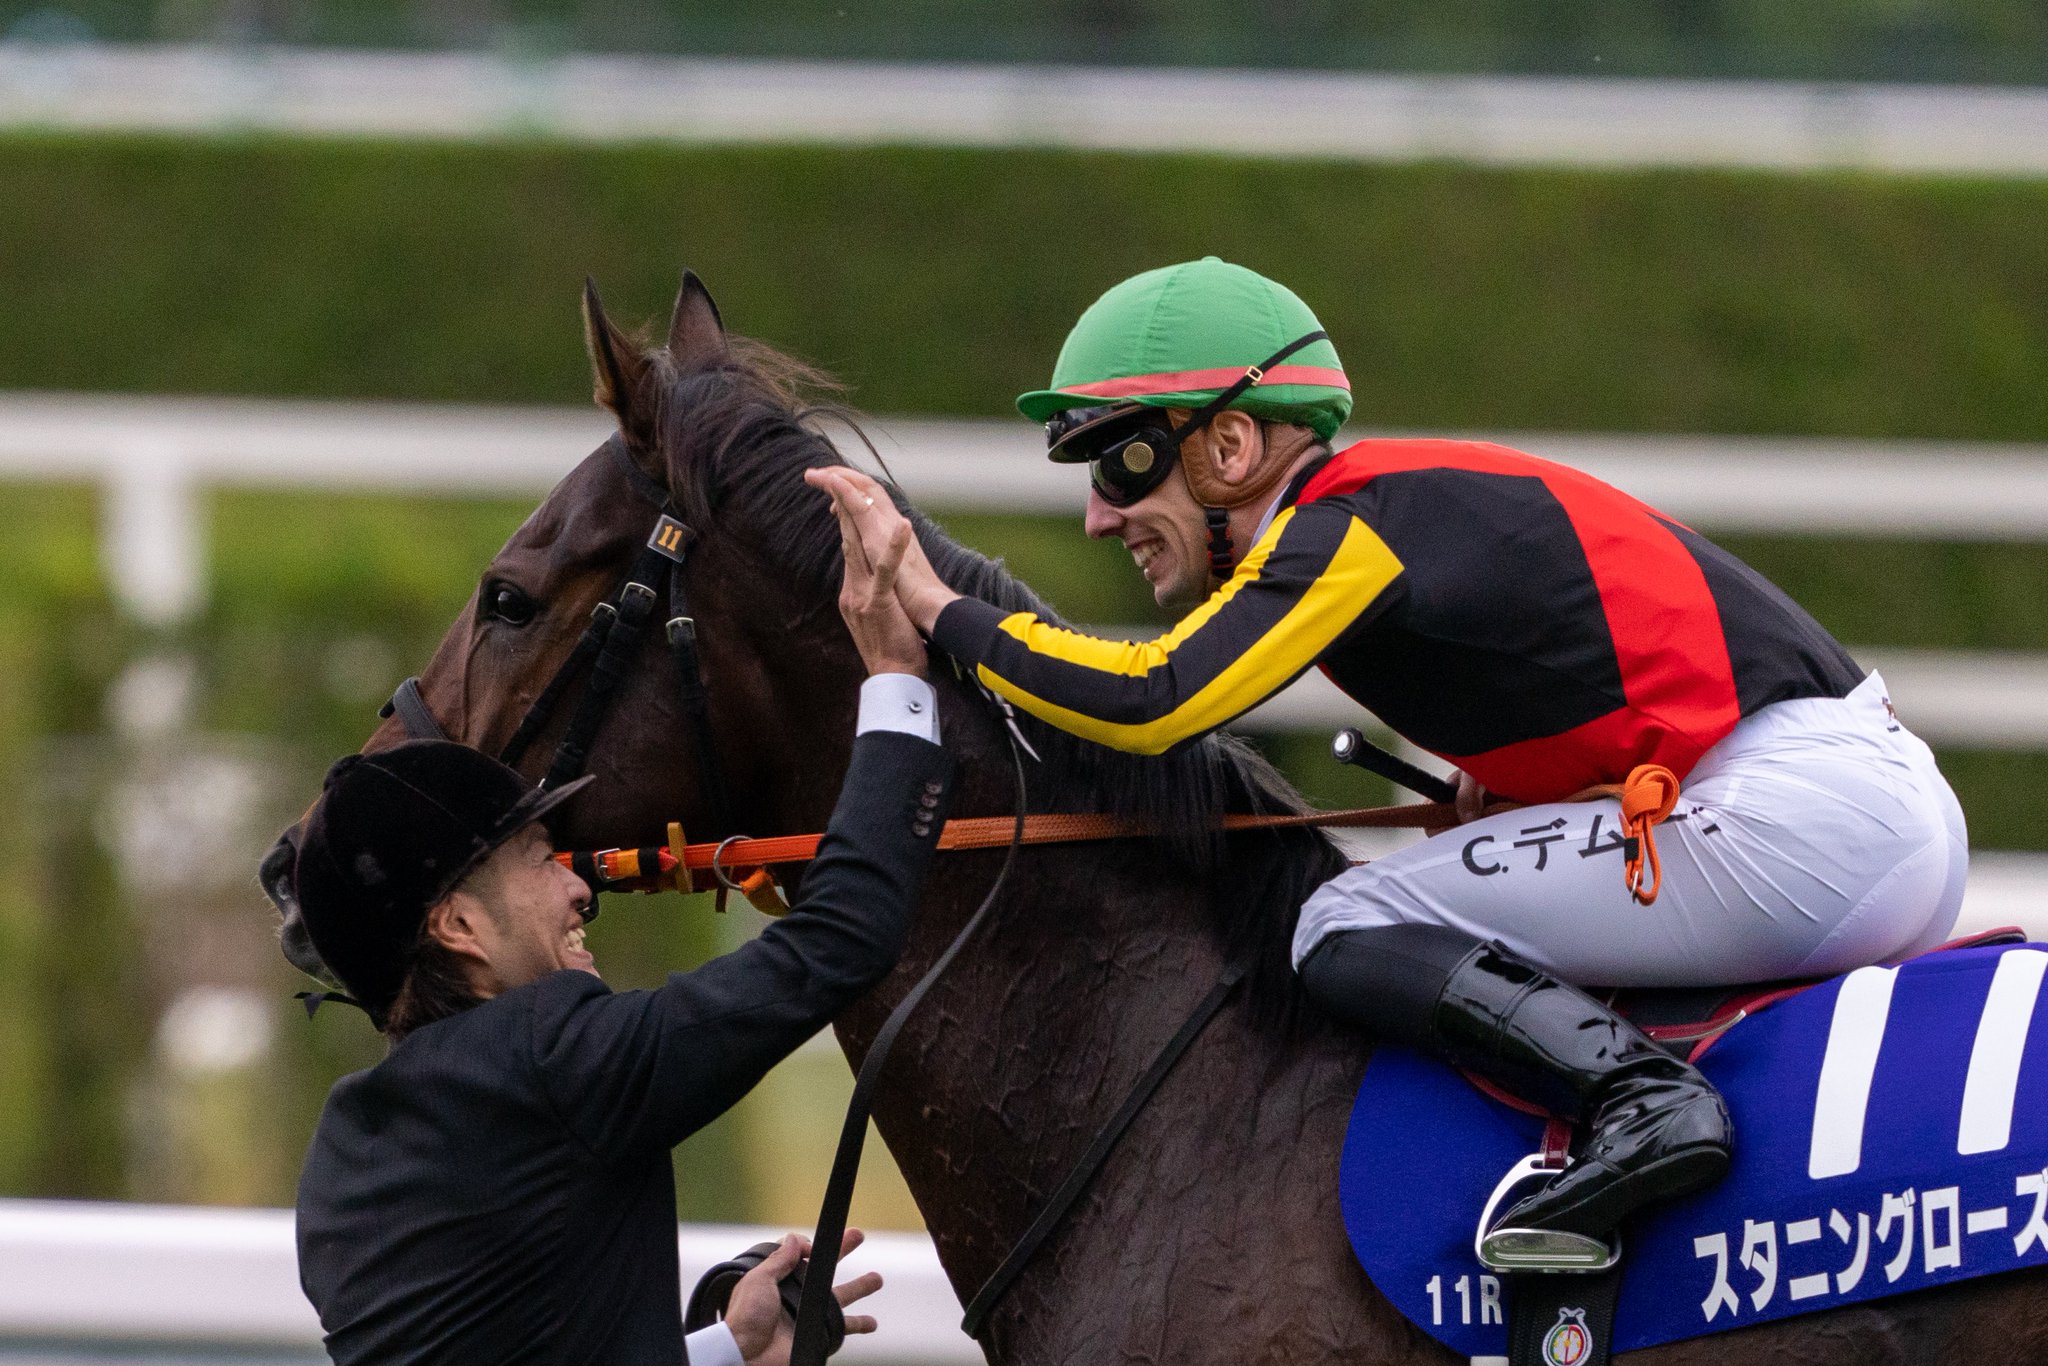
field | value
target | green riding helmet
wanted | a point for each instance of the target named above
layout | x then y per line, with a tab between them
1179	336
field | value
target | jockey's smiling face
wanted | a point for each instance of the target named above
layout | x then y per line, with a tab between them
1165	531
517	918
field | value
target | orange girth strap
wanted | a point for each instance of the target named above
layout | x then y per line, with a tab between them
675	867
1648	797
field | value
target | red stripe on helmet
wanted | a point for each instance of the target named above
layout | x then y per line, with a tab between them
1186	381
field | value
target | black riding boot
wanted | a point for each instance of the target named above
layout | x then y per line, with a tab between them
1655	1128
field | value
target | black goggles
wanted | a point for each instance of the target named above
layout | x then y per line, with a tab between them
1130	448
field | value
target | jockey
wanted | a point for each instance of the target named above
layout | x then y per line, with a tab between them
1539	629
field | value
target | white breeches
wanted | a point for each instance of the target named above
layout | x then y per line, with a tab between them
1816	837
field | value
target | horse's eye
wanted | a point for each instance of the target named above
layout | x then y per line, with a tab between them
507	603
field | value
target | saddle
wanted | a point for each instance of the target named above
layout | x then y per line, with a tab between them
1870	1160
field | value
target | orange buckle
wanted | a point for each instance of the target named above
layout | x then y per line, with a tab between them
684	881
1649	795
757	885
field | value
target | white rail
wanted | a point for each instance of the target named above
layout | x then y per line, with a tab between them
73	1271
1968	699
1370	117
1928	489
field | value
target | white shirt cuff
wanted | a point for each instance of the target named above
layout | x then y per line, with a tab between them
713	1346
900	702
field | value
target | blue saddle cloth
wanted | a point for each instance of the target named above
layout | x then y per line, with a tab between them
1891	1134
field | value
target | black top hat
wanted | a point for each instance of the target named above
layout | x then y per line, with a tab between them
392	834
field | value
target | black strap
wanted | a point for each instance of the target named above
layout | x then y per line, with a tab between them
590	647
1220	552
1201	416
713	1294
588	644
635	606
1078	1180
810	1347
696	703
1566	1305
412	712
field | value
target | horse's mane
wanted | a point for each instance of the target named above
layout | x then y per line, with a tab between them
737	438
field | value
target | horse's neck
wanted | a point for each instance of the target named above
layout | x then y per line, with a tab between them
1090	961
1094	957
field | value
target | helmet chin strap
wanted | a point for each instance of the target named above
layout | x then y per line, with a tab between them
1209	489
1222	553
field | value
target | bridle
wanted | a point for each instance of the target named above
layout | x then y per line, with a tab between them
607	649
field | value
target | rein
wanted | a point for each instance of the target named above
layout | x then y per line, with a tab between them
811	1343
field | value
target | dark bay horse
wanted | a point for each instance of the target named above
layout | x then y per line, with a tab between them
1213	1233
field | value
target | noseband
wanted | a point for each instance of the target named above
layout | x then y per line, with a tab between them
607	649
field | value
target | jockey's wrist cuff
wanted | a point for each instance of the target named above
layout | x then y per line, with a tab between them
899	702
966	629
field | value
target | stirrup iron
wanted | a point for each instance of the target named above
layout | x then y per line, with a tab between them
1536	1249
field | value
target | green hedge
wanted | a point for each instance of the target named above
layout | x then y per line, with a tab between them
942	280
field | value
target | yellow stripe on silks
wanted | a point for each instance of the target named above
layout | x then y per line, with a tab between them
1136	658
1361	568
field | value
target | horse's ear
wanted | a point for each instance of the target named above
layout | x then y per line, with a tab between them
618	370
696	334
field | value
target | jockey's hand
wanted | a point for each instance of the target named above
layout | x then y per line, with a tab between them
866	511
760	1329
1471	799
1471	802
881	629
